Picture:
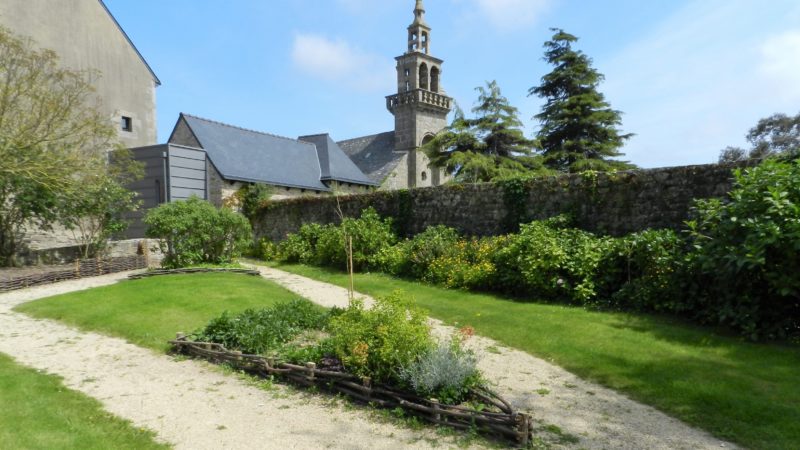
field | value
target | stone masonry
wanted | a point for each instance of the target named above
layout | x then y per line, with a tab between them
613	204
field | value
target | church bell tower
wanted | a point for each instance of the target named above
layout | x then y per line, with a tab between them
420	106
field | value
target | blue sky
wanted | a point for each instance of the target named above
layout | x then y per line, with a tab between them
691	76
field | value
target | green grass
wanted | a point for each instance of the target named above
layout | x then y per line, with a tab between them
744	392
149	312
38	412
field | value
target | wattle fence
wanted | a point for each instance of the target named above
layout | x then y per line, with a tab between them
498	418
79	269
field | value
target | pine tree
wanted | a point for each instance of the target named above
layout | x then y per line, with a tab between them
488	147
578	127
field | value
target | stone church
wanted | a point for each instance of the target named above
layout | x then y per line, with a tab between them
420	108
212	160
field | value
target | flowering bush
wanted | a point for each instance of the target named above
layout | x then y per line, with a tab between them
468	265
380	341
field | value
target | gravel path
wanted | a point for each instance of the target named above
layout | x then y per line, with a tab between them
588	415
188	403
194	406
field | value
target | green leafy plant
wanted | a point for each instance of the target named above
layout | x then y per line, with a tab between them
644	272
551	260
326	244
745	252
302	246
380	341
194	232
260	331
468	264
370	234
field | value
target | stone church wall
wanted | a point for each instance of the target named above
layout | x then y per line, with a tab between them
613	204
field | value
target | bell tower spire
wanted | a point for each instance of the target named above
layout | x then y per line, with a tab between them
419	33
420	106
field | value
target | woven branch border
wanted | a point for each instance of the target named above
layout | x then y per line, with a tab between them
79	269
159	272
503	421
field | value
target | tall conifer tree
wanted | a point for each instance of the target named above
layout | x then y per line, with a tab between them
579	130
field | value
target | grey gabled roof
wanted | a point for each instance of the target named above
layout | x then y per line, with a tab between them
374	155
155	78
251	156
334	163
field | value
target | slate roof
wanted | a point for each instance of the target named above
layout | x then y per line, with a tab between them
334	163
252	156
374	154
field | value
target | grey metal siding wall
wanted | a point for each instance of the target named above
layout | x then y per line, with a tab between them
148	187
187	173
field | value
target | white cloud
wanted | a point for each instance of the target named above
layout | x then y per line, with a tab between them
512	14
698	81
780	62
336	60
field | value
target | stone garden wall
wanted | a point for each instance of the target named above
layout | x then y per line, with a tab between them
612	204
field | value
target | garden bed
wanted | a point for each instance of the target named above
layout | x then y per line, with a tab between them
159	272
79	269
498	418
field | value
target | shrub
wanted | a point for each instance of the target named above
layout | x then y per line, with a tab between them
380	341
551	261
446	371
194	232
370	235
467	265
393	259
260	331
413	257
424	248
746	252
301	247
643	272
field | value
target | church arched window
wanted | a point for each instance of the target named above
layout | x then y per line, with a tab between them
435	79
423	76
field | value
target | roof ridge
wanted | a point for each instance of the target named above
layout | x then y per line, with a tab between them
247	129
367	136
313	135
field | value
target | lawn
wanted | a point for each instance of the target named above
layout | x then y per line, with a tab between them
40	413
149	312
744	392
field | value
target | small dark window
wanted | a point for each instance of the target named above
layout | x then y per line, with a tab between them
424	176
127	124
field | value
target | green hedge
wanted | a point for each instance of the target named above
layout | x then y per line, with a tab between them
735	265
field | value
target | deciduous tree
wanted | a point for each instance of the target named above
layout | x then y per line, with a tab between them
776	135
54	141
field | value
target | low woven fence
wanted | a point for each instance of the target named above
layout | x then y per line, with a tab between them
499	419
159	272
79	269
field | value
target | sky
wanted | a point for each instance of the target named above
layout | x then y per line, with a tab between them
690	76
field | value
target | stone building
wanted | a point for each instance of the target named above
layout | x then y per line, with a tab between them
420	108
213	160
86	36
